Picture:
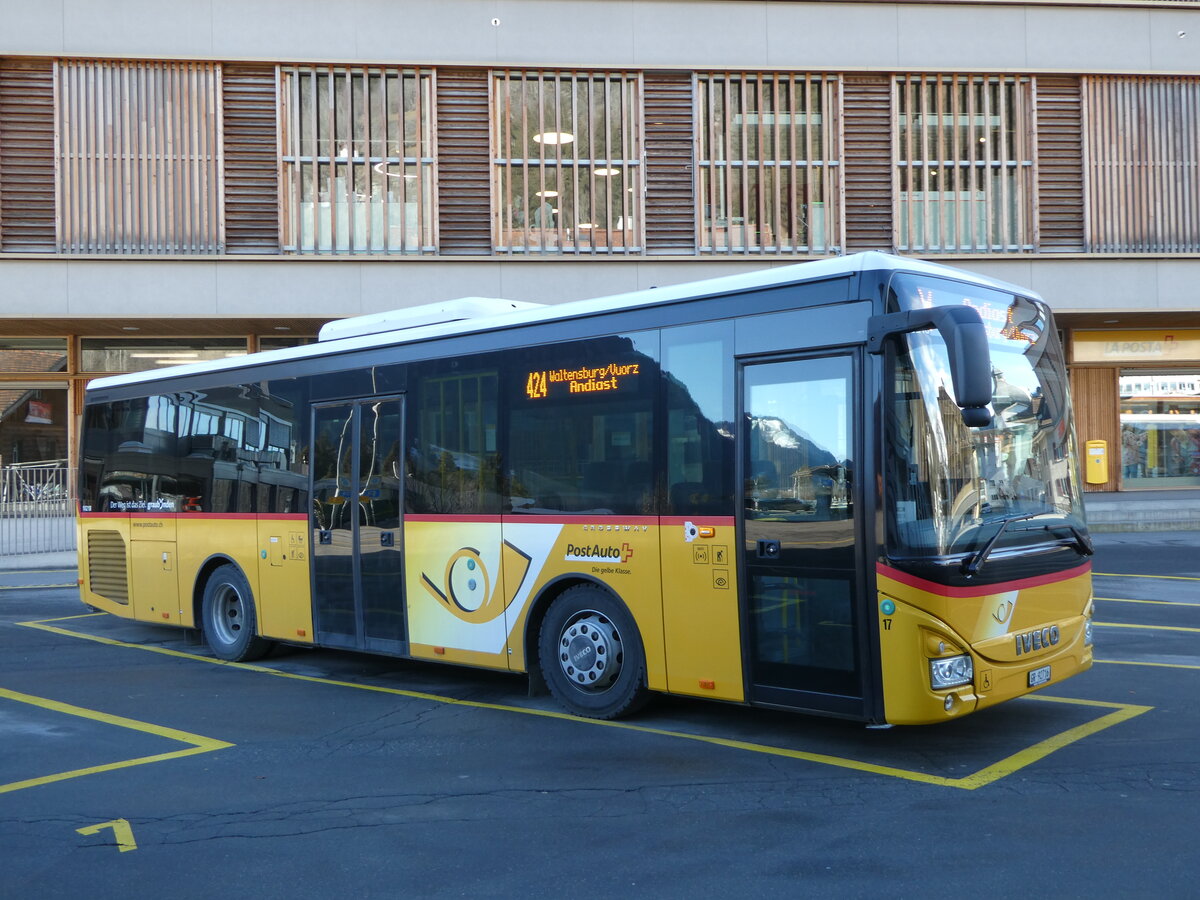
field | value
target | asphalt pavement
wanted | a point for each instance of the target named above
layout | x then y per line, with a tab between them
136	764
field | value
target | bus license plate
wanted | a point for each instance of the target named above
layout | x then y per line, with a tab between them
1039	676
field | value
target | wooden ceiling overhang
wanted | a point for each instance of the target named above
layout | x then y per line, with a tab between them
159	327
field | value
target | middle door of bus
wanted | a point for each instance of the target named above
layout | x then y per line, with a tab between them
802	581
358	560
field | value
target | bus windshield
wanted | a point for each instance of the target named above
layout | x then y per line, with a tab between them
954	489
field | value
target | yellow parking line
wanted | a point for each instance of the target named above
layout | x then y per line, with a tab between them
987	775
1121	713
1146	627
1169	577
1159	602
198	744
1133	662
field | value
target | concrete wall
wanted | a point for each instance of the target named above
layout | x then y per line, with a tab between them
136	288
649	33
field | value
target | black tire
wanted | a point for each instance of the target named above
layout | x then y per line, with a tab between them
591	654
229	621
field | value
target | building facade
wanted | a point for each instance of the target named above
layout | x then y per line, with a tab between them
189	181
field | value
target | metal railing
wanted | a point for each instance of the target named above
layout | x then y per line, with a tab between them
37	508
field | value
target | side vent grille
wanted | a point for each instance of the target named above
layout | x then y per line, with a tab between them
106	565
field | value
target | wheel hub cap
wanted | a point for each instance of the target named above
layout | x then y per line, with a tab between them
590	651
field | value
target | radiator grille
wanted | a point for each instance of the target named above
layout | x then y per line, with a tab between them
107	566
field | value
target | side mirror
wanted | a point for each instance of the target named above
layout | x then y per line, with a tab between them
966	346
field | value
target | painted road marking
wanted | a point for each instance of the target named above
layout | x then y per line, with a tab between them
1159	602
1134	662
1168	577
197	743
121	831
1120	712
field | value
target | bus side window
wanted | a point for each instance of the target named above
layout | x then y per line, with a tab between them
220	450
700	401
142	470
581	432
452	463
283	466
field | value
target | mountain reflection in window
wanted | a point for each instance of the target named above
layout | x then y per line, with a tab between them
798	457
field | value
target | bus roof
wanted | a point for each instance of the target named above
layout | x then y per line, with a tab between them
405	330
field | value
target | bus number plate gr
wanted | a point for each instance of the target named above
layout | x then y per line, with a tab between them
1039	676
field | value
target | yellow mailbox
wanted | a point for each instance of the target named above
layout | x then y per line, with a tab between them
1097	462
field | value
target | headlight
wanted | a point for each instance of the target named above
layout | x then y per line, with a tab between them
1087	632
950	672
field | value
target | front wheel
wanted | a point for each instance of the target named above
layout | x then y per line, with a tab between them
591	654
229	620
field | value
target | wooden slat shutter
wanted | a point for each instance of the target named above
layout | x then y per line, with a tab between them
670	175
251	147
464	162
1060	164
1143	141
27	179
867	161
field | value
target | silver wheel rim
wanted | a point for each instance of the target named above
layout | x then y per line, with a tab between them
229	614
590	653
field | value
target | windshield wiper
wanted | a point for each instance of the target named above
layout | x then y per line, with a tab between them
1083	543
973	564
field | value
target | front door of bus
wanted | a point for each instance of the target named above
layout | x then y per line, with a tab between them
358	576
799	527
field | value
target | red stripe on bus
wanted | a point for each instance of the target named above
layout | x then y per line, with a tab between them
932	587
289	517
448	517
193	515
558	519
582	519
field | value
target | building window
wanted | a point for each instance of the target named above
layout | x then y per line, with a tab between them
139	158
24	355
1160	428
143	354
275	342
566	151
964	163
358	160
34	417
767	156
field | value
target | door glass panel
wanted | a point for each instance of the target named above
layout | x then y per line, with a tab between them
799	528
333	520
803	632
379	534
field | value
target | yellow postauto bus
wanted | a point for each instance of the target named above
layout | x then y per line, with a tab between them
848	487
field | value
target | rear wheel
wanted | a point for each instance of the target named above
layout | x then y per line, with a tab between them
229	620
591	654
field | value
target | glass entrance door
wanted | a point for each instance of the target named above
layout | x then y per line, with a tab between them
358	589
799	528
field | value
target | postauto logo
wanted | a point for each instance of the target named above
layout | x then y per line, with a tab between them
597	553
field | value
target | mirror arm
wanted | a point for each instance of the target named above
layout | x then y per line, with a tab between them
966	346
